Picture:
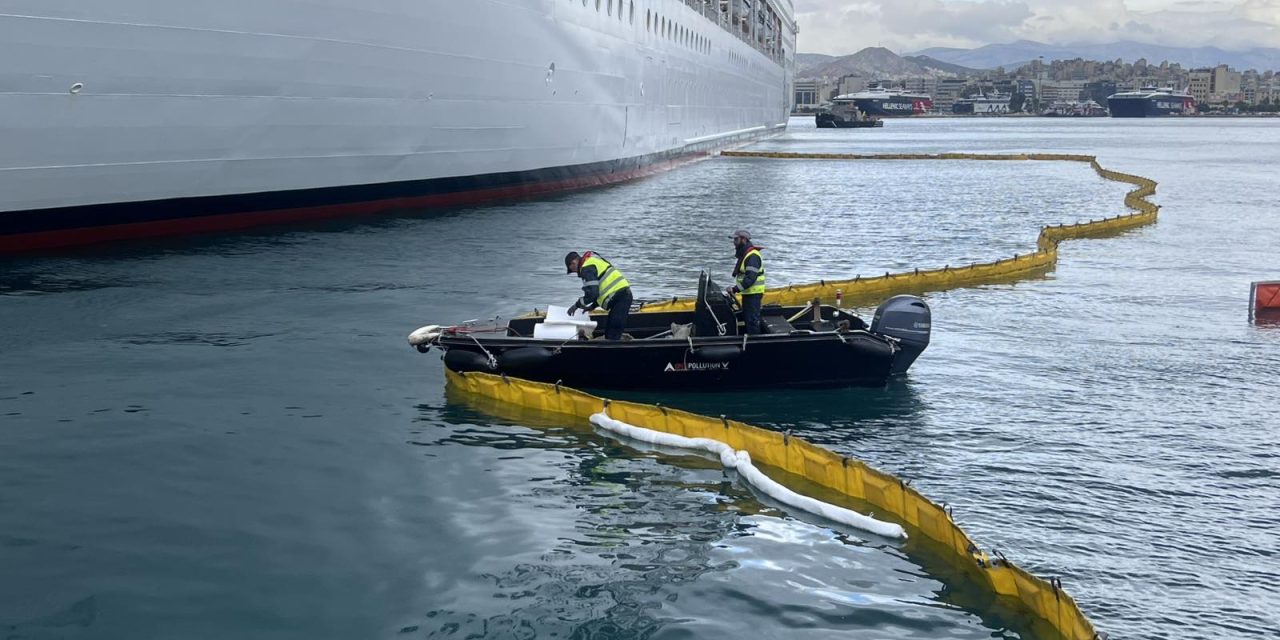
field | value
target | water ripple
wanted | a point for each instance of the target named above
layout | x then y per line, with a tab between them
1107	423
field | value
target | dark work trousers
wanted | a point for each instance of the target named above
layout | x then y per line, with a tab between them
751	312
619	307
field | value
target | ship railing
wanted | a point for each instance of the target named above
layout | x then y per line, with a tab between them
756	23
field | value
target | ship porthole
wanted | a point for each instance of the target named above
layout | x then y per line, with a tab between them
77	87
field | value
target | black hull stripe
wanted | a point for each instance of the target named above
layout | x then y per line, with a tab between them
96	215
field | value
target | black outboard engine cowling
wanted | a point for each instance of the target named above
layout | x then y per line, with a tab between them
908	319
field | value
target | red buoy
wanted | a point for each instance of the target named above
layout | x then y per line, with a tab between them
1264	299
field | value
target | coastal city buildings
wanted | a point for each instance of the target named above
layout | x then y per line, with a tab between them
1039	85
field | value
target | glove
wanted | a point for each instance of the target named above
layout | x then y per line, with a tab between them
731	291
573	308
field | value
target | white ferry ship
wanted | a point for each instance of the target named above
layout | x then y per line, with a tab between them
991	104
129	118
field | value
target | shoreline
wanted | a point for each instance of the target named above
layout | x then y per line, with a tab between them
1033	115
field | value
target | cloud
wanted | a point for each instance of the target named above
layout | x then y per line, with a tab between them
1262	11
844	26
1133	26
980	21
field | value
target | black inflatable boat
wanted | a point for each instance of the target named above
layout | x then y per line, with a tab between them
705	349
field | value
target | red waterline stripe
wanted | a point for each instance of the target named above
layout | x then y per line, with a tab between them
62	238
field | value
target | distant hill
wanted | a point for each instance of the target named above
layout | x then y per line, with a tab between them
804	60
1009	55
1015	54
872	62
934	63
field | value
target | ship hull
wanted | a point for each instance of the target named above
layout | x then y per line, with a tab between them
830	121
893	107
45	229
131	118
980	108
1150	107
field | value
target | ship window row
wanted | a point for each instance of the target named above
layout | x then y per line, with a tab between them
669	29
754	22
624	8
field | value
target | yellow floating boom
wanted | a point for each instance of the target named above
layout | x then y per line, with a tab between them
1051	611
1021	266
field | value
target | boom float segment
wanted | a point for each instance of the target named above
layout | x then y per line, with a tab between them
922	280
741	462
1050	608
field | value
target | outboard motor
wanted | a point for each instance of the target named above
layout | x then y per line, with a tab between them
908	319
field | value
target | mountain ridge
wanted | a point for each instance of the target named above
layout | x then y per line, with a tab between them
1014	54
874	63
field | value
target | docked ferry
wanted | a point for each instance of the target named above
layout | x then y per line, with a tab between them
1149	102
879	101
985	105
130	118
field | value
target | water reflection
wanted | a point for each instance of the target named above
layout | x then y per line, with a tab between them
21	280
1101	425
667	547
640	531
1269	319
822	416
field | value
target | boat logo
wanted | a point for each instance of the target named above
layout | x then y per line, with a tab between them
696	366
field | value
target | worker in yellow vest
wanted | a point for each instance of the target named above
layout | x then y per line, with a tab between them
748	271
603	286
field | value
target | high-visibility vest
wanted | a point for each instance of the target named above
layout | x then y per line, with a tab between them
758	287
611	280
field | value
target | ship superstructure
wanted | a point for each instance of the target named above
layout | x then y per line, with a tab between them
983	104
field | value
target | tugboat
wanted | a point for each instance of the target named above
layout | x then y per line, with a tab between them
843	113
705	349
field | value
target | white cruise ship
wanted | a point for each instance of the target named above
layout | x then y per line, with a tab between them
129	118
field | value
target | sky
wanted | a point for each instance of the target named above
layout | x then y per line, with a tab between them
839	27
